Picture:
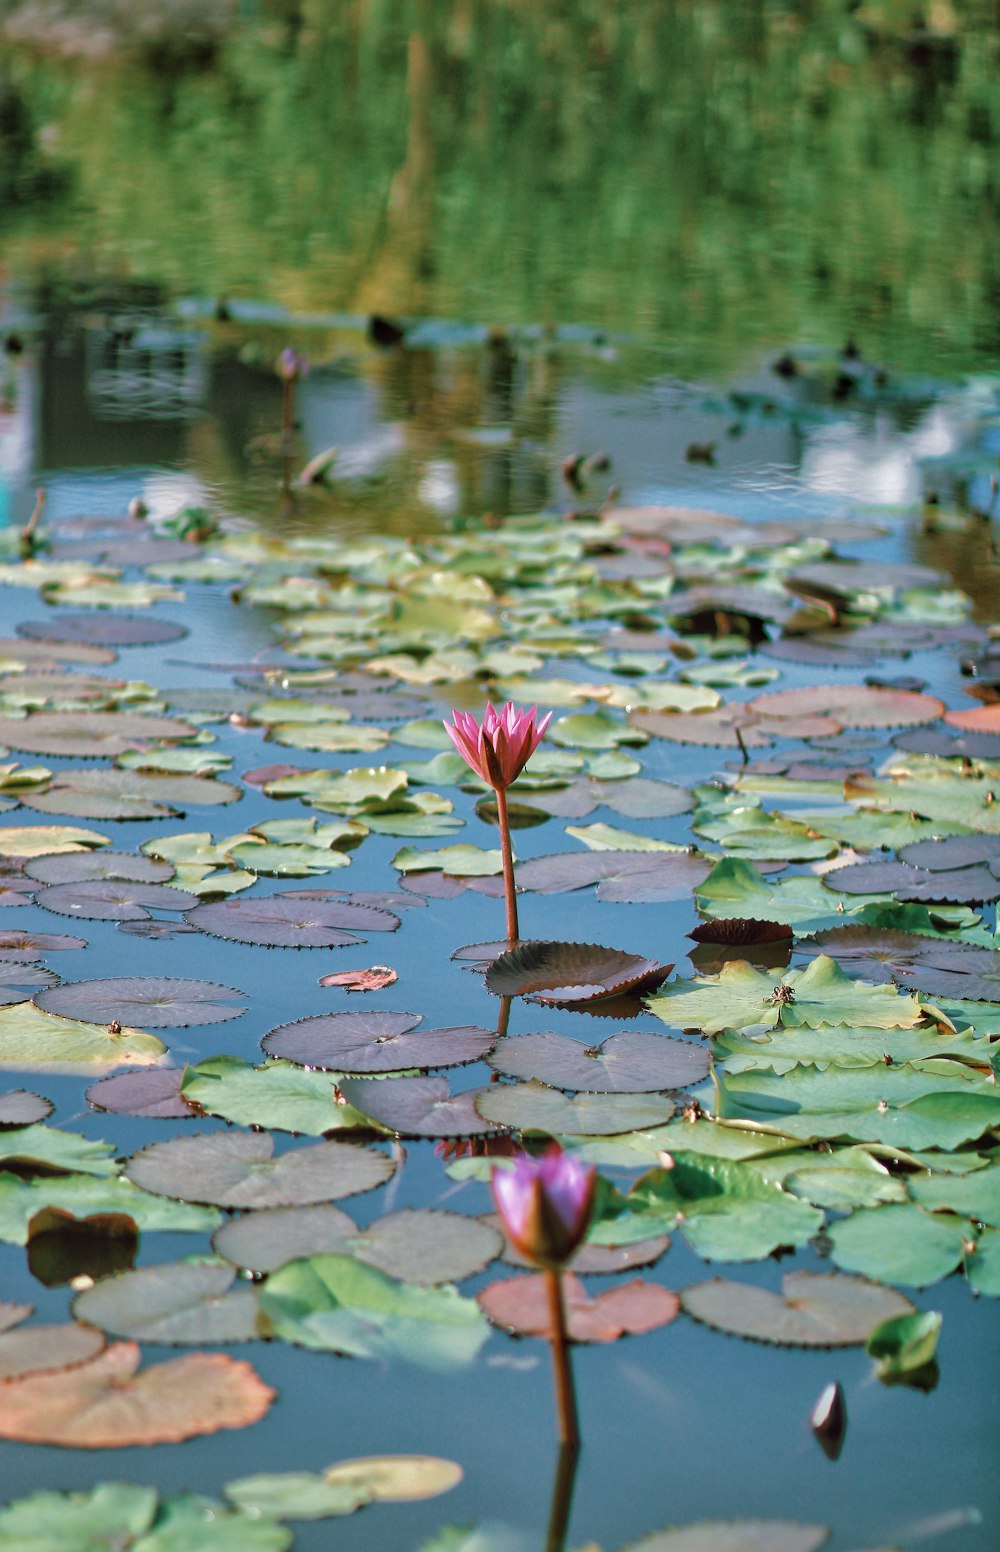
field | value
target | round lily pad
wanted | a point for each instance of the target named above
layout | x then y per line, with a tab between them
19	981
914	884
531	1107
417	1107
934	965
34	1349
26	946
375	1042
238	1169
290	920
149	1091
107	899
814	1309
427	1245
852	705
179	1303
103	628
89	735
128	794
521	1304
106	1404
75	867
146	1001
269	1237
950	851
19	1107
633	1062
570	973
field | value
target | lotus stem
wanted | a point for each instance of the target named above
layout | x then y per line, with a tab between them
562	1497
569	1431
507	852
504	1016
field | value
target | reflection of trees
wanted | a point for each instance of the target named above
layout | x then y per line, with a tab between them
725	172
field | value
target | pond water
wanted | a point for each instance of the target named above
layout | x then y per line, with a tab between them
632	297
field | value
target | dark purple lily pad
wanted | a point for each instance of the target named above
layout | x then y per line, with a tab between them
238	1169
951	851
417	1107
621	875
19	1107
567	974
290	920
28	946
907	883
112	900
935	741
90	735
932	965
146	1002
375	1042
18	982
103	628
73	867
148	1092
436	885
635	1061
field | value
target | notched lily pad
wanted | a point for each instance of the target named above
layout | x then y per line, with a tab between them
375	1042
418	1107
179	1303
291	920
152	1092
632	1062
19	1107
238	1169
521	1305
111	900
90	735
532	1107
76	867
814	1309
159	1002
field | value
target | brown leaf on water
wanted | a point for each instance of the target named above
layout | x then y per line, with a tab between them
107	1404
372	980
521	1304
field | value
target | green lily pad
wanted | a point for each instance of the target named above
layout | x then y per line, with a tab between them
900	1244
904	1344
336	1304
280	1095
741	996
32	1040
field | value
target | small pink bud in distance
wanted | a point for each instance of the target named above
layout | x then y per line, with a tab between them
291	365
500	747
546	1205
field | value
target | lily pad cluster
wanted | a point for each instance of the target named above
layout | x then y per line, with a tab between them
825	1075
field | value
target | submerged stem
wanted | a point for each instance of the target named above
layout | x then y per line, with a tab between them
507	853
569	1432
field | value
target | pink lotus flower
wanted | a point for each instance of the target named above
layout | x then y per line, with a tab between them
546	1205
500	748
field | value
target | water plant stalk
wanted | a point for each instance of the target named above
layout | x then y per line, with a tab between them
569	1430
507	853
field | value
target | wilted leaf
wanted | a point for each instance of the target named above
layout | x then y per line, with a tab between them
570	973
